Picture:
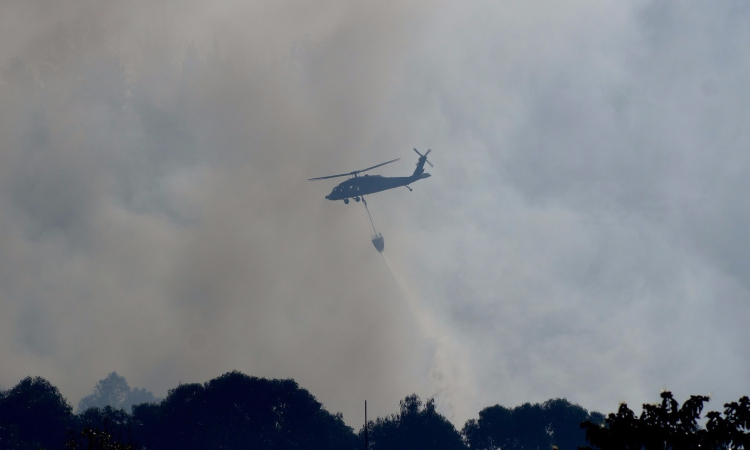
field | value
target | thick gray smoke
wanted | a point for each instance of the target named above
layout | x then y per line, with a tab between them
584	234
156	218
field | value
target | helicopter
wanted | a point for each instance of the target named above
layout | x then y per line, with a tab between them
359	186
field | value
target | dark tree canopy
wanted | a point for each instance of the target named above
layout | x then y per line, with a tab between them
236	411
417	426
529	427
667	425
102	429
239	411
34	414
96	417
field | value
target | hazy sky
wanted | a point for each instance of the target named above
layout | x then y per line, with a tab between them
584	234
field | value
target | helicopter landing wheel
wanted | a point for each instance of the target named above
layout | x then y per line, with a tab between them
346	201
356	199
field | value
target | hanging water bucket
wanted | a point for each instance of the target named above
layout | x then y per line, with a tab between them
377	241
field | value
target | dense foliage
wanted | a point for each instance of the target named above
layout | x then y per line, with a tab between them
531	427
416	426
236	411
667	425
34	415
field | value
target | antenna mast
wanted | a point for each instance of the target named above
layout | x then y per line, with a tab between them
366	444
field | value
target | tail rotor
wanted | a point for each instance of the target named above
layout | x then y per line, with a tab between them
424	156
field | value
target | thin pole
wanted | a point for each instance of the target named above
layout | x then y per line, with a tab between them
366	444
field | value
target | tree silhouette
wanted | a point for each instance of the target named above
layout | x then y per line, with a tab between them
538	426
97	439
234	411
111	418
238	411
733	429
33	414
666	425
417	426
102	429
115	391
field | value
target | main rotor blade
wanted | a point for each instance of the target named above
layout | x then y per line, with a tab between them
332	176
354	173
381	164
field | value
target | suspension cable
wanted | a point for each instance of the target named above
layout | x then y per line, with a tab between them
369	215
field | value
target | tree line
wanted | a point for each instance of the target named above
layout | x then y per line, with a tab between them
237	411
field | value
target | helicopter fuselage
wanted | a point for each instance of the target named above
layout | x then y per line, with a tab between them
370	184
358	186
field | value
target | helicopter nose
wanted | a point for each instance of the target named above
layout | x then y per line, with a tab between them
328	197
